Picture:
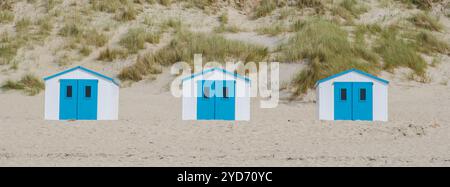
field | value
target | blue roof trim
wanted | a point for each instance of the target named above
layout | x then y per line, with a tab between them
84	69
352	70
214	69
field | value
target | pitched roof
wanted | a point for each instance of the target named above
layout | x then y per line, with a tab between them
217	69
85	70
353	70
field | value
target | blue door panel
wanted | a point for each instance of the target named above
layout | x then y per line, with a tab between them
342	101
205	100
87	99
78	99
216	100
362	101
68	96
353	101
225	100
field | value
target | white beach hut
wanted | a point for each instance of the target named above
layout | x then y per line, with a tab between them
352	95
81	94
216	94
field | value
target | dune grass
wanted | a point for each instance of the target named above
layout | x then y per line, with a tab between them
171	23
428	43
425	21
71	30
29	83
9	47
201	4
85	50
353	7
127	13
272	30
94	38
183	47
223	18
165	2
6	16
317	5
110	6
6	5
50	4
45	26
328	50
349	9
80	37
135	39
22	25
421	4
227	28
264	8
397	52
111	54
285	13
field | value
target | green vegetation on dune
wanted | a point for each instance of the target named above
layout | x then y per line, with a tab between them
79	37
29	83
425	21
265	8
183	47
328	50
8	48
110	6
396	52
135	39
427	43
421	4
349	9
6	16
110	54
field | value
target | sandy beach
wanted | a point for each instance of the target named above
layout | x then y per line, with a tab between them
150	131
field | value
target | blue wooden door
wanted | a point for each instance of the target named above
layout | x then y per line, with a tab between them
68	99
362	101
343	101
87	99
225	100
205	100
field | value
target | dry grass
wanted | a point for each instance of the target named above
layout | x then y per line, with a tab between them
427	43
425	21
110	6
111	54
22	25
421	4
79	37
396	52
272	30
183	47
265	8
6	16
327	50
317	5
9	47
227	28
29	83
135	39
223	18
126	13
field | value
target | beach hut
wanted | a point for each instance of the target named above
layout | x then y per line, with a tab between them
216	94
81	94
352	95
